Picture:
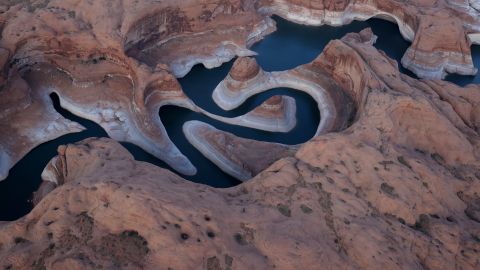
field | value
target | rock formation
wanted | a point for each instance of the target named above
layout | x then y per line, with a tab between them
124	116
391	181
399	189
276	114
112	54
107	95
224	29
87	67
441	31
244	69
335	106
240	158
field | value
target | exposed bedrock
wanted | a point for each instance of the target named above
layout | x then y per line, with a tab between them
171	35
168	32
101	89
244	69
441	31
97	81
107	96
108	92
276	114
117	93
240	158
87	42
30	121
247	79
382	194
399	189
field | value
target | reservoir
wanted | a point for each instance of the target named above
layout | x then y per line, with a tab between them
292	45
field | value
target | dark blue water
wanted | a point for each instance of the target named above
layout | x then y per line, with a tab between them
24	178
292	45
465	80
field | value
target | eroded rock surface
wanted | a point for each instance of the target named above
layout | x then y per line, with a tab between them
441	31
115	62
334	103
241	158
244	69
399	189
93	56
276	114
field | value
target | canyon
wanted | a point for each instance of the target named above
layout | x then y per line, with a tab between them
390	179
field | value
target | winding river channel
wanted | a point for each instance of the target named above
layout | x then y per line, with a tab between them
292	45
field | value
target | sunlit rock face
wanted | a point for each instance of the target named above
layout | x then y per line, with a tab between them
396	190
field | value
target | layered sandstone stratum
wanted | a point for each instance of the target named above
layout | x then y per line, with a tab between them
115	62
391	181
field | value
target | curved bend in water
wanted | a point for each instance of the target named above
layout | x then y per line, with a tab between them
290	46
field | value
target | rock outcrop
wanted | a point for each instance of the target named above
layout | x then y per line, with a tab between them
391	181
240	158
170	33
276	114
244	69
441	31
53	48
399	189
115	62
335	105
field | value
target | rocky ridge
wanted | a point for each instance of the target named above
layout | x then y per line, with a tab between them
399	189
441	31
119	59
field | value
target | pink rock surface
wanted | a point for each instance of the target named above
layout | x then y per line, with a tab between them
399	189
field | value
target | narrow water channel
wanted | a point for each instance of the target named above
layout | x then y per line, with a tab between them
292	45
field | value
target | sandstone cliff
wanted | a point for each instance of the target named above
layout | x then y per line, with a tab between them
115	62
399	189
